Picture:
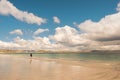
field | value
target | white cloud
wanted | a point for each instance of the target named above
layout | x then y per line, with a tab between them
38	31
17	31
64	34
38	43
106	29
8	45
56	19
70	38
118	7
7	8
103	34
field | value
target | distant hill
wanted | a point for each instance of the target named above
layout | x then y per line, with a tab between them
106	51
48	51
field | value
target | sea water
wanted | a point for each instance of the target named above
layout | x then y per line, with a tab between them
76	56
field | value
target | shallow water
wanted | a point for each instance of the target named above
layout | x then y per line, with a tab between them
76	57
60	67
84	56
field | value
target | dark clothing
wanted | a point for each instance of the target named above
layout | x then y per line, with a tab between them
30	54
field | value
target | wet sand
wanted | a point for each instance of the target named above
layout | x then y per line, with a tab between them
21	68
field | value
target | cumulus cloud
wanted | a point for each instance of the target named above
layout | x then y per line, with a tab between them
103	34
38	31
38	43
41	43
8	45
71	38
56	19
7	8
118	7
107	29
64	35
17	31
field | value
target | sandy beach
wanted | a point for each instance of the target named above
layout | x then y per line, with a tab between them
22	68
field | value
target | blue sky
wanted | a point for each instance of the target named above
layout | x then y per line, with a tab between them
67	11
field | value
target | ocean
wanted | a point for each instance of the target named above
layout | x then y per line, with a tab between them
95	56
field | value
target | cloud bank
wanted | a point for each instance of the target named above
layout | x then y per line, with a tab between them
107	29
7	8
101	35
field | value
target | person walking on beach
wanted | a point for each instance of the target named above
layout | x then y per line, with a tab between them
30	54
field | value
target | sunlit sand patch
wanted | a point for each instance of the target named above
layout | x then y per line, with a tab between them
18	68
110	73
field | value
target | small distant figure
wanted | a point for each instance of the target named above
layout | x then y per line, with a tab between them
30	54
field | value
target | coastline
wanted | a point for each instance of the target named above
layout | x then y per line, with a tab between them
26	68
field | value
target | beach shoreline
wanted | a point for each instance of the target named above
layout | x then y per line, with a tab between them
27	68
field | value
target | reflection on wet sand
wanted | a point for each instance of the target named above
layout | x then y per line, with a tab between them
30	60
13	68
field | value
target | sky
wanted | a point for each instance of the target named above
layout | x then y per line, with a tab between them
60	24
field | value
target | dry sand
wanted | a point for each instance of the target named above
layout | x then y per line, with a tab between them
21	68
